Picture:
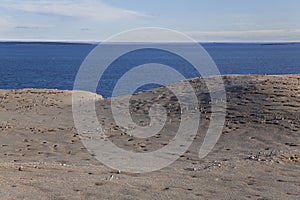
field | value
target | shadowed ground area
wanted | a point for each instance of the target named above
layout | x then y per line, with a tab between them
256	157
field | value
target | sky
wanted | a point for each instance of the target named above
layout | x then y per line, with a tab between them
203	20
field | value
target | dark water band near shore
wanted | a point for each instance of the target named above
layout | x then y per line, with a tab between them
53	65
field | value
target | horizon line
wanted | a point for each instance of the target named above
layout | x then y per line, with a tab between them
97	42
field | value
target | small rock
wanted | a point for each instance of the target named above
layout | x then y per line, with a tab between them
191	169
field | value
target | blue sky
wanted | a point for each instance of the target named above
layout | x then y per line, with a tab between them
204	20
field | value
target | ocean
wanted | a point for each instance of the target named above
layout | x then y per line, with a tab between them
55	65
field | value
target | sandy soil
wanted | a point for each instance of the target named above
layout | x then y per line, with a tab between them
257	156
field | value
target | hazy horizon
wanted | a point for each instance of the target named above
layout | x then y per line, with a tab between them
97	42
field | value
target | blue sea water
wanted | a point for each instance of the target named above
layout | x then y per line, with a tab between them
55	65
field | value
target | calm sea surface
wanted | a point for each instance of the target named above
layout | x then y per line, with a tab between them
55	65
